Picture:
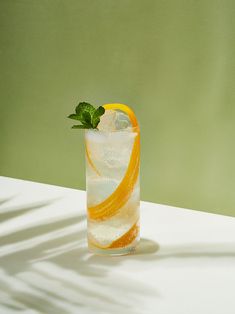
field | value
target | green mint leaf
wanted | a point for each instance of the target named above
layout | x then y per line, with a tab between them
96	116
74	116
87	115
84	106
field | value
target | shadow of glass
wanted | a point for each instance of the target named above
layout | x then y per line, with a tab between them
149	250
189	250
146	246
199	250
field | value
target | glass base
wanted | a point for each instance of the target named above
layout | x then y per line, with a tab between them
113	252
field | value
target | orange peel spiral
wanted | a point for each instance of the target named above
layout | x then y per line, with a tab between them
111	205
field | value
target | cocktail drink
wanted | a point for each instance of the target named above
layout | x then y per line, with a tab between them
112	177
112	181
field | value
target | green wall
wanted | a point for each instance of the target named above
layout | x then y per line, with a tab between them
172	61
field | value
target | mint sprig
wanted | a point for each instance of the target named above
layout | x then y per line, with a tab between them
88	115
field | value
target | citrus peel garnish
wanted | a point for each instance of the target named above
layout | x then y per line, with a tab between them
90	162
125	240
111	205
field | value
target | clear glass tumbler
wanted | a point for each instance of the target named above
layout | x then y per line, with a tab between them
113	191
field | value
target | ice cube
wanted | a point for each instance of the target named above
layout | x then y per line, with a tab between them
114	120
107	121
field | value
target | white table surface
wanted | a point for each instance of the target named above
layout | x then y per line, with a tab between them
185	263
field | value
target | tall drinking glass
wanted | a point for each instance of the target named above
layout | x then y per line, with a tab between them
113	191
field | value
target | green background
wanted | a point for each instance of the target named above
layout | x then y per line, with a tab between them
171	61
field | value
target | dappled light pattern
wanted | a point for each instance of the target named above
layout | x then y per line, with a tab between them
46	267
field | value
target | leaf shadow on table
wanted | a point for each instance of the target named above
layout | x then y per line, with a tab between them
38	257
5	200
14	211
149	250
198	250
46	267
